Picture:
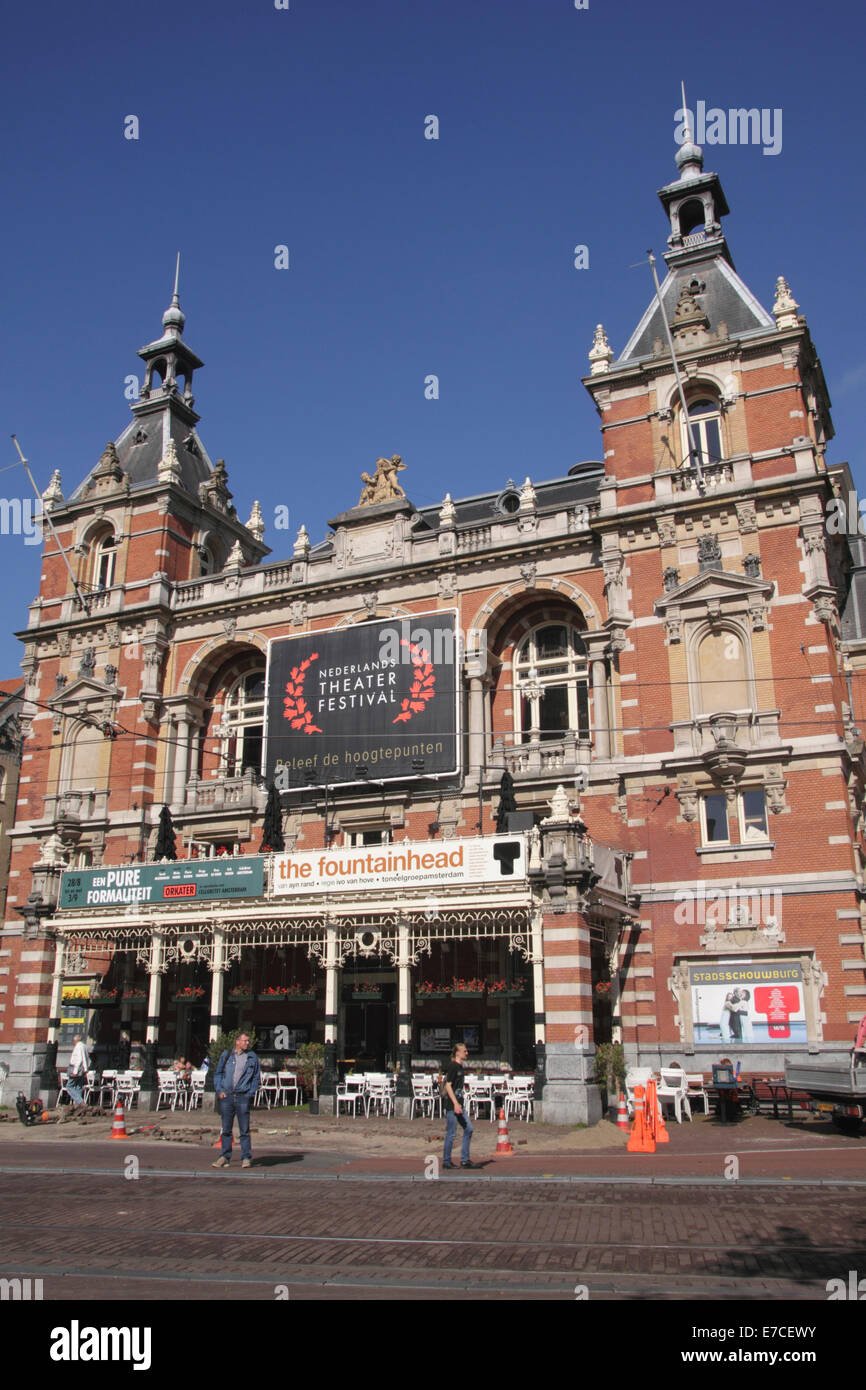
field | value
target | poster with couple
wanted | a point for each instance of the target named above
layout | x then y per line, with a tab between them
742	1002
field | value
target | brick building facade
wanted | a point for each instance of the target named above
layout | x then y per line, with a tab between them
668	639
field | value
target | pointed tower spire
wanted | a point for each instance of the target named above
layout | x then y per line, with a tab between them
689	156
173	319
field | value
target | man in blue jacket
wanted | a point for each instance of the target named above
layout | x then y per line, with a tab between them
236	1081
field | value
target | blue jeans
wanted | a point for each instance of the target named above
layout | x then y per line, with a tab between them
240	1106
452	1120
75	1087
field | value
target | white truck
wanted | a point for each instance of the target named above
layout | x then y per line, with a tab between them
838	1090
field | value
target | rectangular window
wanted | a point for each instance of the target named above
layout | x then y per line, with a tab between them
753	815
554	711
715	816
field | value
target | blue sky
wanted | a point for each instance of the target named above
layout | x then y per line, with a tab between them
408	256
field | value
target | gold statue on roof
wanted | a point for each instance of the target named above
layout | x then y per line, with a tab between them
382	486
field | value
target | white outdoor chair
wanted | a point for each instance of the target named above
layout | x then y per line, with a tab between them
696	1089
672	1089
287	1084
479	1091
348	1095
635	1076
90	1088
268	1090
196	1089
167	1088
380	1096
126	1088
107	1083
519	1096
425	1097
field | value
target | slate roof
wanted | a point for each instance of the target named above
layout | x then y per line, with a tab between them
726	299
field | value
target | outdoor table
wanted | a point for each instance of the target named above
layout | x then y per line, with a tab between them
778	1090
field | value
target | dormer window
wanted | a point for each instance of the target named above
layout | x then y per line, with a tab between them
705	420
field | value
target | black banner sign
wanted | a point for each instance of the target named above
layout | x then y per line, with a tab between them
376	701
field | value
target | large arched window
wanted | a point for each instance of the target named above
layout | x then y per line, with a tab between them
552	680
243	725
705	419
104	560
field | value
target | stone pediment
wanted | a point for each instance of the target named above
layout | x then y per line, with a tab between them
713	595
82	691
715	586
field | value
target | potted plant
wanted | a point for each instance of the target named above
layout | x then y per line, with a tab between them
610	1070
428	989
134	996
467	989
224	1042
310	1065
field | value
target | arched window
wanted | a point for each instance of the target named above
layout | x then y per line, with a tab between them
552	679
104	561
243	725
723	673
705	419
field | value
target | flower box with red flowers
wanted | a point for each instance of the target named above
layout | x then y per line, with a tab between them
286	992
104	999
427	989
190	995
603	987
134	996
362	992
242	994
507	989
467	989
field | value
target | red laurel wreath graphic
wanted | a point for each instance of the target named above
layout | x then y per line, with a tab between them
423	687
295	706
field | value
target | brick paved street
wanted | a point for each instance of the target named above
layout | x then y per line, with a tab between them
328	1214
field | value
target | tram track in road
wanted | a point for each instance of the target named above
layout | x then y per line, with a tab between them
136	1239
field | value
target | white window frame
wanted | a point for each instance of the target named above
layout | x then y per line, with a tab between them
705	836
238	721
529	671
104	553
746	839
699	423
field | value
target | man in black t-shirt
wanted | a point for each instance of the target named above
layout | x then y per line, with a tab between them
454	1112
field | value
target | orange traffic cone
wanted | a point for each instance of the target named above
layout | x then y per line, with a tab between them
118	1129
655	1118
640	1141
504	1144
622	1114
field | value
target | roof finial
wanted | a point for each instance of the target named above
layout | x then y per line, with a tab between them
173	320
689	156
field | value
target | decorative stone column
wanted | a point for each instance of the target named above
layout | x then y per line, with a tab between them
475	677
155	967
328	1087
404	1021
49	1081
181	765
219	967
600	717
